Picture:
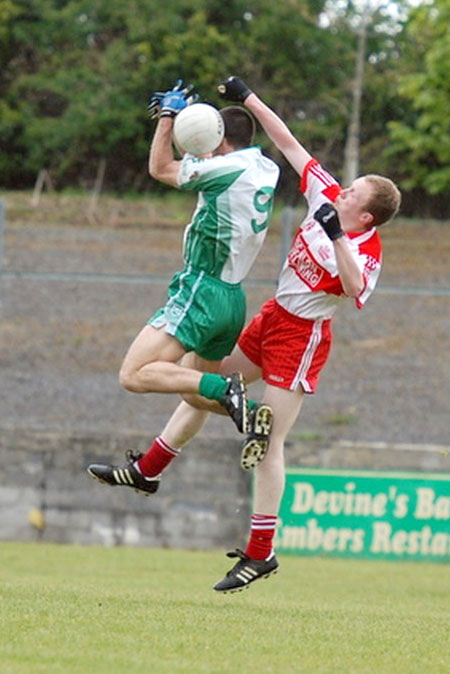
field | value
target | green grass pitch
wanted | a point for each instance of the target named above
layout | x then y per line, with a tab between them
83	610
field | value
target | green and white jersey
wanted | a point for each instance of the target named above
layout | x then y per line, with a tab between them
234	204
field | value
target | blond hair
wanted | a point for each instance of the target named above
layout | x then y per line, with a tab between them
385	200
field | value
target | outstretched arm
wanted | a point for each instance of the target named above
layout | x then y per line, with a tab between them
235	89
161	163
279	133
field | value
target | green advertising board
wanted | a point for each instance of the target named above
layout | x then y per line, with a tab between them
365	514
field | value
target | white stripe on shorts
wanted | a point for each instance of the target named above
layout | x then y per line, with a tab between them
307	357
191	299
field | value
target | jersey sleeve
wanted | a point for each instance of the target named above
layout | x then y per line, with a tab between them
203	175
370	258
318	185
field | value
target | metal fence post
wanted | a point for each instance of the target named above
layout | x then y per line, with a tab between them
2	227
2	219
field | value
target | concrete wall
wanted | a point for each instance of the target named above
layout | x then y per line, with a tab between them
203	500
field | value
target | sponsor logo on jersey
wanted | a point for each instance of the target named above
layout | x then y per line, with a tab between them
300	260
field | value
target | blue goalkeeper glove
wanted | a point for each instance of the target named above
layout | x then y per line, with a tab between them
169	104
327	216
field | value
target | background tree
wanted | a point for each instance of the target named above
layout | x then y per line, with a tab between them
76	74
421	139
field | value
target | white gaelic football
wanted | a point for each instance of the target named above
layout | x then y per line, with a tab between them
198	129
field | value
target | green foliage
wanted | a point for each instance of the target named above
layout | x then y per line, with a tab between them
75	77
422	141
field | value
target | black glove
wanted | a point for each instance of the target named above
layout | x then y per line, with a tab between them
234	89
328	218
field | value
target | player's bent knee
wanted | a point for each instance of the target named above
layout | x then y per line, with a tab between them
128	380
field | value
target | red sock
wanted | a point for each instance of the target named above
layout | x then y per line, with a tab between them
262	531
157	458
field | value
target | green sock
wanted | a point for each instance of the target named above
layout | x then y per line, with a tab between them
252	404
213	386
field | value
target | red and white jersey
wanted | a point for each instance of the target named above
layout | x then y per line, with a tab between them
309	285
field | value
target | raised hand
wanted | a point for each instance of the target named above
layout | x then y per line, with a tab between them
234	89
169	103
327	216
154	104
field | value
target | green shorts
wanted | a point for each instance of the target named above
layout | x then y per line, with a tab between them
205	314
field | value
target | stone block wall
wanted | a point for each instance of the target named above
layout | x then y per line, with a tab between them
204	500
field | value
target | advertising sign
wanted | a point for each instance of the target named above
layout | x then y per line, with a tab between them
365	514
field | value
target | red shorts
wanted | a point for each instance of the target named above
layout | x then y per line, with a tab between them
291	351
